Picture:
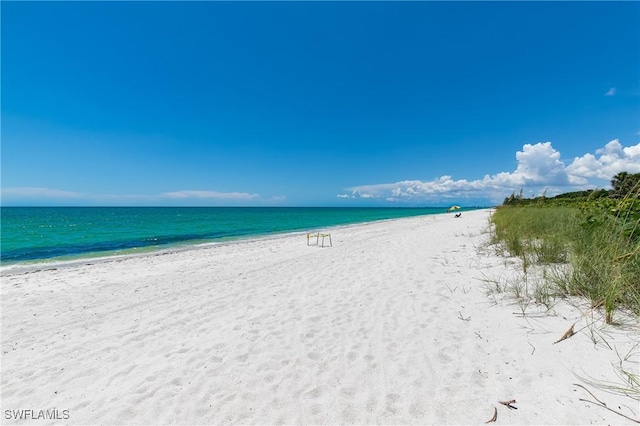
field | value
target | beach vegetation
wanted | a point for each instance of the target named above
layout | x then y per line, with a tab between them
586	244
584	247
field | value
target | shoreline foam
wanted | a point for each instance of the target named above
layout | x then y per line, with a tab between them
91	258
37	234
390	325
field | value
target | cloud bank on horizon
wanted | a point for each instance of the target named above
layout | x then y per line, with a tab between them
210	195
540	168
13	194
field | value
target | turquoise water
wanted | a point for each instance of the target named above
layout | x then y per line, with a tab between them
46	233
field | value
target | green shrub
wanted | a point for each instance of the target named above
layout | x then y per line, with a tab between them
598	240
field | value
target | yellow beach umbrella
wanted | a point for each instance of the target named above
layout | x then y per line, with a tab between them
453	208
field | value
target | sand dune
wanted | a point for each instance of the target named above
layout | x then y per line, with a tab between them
391	325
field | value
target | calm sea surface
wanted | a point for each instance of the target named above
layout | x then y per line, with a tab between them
46	233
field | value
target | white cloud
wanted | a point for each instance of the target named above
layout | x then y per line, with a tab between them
608	161
210	195
540	164
277	199
32	195
30	192
539	168
611	92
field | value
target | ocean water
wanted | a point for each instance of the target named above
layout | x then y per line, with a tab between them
32	234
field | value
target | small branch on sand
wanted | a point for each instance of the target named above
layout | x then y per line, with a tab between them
477	333
463	318
508	404
603	405
495	416
566	335
594	397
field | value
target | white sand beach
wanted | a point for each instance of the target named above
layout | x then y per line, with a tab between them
393	324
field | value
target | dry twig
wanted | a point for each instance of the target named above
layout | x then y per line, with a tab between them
566	335
603	405
594	397
495	416
463	318
508	404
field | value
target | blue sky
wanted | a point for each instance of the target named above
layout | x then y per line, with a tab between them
315	103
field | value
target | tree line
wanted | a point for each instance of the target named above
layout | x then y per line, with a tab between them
623	185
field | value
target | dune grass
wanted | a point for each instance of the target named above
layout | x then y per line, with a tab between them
588	248
591	254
